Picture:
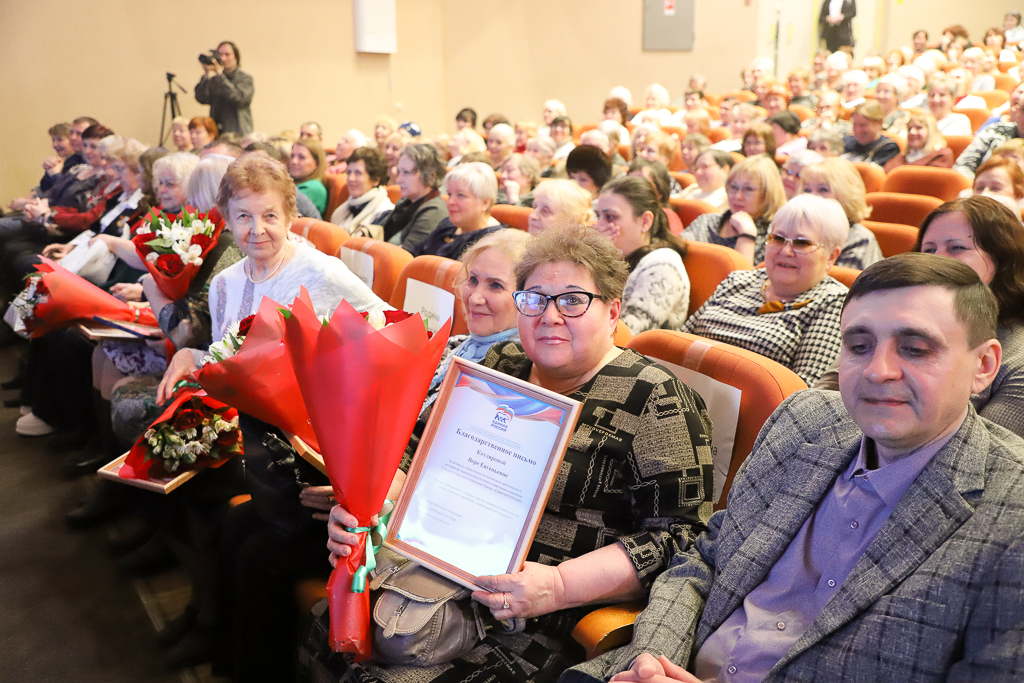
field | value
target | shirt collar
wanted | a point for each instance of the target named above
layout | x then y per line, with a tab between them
892	481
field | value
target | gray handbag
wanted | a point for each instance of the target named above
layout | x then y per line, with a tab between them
420	618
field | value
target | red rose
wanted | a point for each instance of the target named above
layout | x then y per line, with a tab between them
228	438
204	241
169	264
41	288
188	419
392	317
140	244
243	327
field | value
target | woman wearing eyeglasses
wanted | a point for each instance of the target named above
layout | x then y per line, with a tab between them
754	191
789	310
635	486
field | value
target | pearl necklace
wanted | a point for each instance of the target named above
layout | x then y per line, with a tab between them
280	263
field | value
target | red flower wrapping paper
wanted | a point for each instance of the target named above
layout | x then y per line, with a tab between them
170	273
259	380
364	389
72	299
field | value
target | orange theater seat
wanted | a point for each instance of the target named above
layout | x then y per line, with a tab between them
893	238
684	179
944	183
422	277
718	134
688	209
977	117
626	152
394	193
326	237
896	207
844	275
1005	82
622	334
871	174
517	217
994	98
378	263
958	143
337	192
706	266
803	112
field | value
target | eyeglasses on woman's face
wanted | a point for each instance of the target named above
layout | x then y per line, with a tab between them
801	245
745	188
568	304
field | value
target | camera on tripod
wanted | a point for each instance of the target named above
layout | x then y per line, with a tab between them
208	58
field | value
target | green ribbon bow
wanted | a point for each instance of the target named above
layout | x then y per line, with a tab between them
370	563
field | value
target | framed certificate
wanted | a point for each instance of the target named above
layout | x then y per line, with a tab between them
482	474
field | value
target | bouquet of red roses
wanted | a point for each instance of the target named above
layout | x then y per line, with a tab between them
364	388
250	369
194	432
54	297
173	248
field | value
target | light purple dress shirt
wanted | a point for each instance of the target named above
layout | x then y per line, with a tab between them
822	554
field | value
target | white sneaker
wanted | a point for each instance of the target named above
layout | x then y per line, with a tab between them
30	425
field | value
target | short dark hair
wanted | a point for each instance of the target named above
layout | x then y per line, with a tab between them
234	48
974	305
374	160
495	119
467	114
592	161
85	119
233	148
723	159
764	133
787	121
270	150
659	176
60	130
96	131
427	159
562	120
1000	236
921	30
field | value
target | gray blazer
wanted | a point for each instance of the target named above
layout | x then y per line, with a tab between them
938	595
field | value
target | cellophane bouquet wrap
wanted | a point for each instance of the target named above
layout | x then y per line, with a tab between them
256	376
194	432
54	297
174	247
363	388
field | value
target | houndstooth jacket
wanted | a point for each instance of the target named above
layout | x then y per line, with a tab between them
938	595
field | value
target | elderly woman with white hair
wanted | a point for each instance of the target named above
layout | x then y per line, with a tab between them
347	143
792	169
829	116
789	310
466	141
890	90
656	101
472	190
852	87
501	142
971	59
942	92
519	175
542	150
552	110
559	201
915	98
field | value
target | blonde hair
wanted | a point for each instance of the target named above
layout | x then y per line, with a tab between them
935	140
509	242
846	184
762	169
575	203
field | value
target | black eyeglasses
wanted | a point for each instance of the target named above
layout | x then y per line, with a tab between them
568	304
800	245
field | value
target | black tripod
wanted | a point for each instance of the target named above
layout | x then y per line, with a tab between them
170	100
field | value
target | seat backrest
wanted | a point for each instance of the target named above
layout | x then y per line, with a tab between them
995	98
896	207
944	183
326	237
688	209
428	285
762	383
958	143
706	266
1005	82
803	112
893	238
844	275
718	134
626	152
394	193
517	217
337	192
684	179
377	263
871	174
977	117
744	95
622	334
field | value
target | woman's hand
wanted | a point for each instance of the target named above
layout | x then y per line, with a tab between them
127	291
318	498
57	251
37	210
340	541
536	590
182	365
512	190
647	669
741	223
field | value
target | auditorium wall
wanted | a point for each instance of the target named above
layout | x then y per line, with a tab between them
107	58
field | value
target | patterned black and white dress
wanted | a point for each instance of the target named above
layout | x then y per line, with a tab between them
638	471
803	336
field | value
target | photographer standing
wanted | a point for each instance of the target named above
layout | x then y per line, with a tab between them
227	89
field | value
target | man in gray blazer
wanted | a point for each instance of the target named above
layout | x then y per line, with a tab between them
876	534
